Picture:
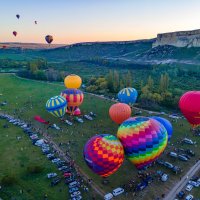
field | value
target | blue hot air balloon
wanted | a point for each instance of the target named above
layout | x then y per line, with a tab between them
57	106
166	123
128	95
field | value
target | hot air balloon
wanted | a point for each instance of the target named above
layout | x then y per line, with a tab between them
4	46
15	33
56	106
128	96
73	81
166	123
144	139
104	154
74	99
49	39
189	104
119	112
77	112
18	16
35	22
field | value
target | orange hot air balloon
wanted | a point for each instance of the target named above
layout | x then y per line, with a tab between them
189	104
73	81
119	112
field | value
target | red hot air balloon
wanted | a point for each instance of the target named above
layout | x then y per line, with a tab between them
119	112
15	33
49	39
189	104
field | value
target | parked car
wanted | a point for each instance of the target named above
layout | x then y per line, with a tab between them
55	181
50	156
79	197
66	175
55	160
183	158
73	184
118	191
74	189
160	161
74	194
189	197
181	194
168	165
63	168
164	177
51	175
188	141
173	154
176	169
193	183
141	186
69	180
148	180
190	152
189	187
108	196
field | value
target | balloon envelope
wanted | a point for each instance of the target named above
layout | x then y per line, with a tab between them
143	139
15	33
56	106
49	39
189	104
73	81
128	95
104	154
119	112
18	16
166	123
74	98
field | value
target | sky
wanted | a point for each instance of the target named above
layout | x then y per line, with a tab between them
72	21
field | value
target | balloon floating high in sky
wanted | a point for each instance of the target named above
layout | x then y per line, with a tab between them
56	106
119	112
104	154
15	33
49	39
166	123
189	104
144	139
128	96
18	16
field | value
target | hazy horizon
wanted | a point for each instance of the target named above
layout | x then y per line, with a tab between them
95	21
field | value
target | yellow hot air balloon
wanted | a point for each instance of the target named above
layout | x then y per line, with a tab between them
73	81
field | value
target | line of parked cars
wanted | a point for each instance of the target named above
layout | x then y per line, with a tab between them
184	156
69	172
170	166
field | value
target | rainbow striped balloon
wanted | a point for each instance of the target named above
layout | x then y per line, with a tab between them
104	154
144	139
56	106
74	98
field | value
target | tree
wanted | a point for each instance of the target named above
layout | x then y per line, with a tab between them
150	83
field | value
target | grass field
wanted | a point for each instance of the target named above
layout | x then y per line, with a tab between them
27	98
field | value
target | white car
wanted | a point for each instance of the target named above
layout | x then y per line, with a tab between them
189	197
193	183
74	194
108	196
189	187
118	191
51	175
55	160
73	184
164	177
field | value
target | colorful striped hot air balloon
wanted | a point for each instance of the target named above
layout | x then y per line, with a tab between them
189	104
73	81
128	96
56	106
119	112
74	99
144	139
104	154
